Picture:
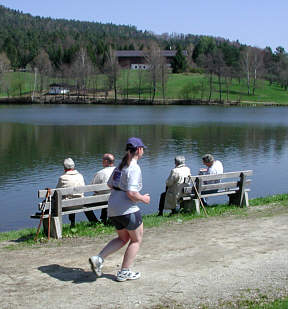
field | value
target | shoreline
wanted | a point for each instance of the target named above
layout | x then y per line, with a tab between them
150	220
59	99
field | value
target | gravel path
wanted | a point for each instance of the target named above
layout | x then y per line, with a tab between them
214	262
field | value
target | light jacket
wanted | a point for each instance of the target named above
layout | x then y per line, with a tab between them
71	179
175	184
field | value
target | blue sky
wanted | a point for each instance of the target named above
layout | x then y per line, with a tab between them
255	22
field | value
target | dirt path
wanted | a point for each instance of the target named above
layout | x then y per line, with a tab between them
206	261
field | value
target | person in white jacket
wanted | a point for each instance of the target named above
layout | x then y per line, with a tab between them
214	167
174	186
103	176
72	178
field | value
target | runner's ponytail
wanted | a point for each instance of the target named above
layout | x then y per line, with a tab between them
128	156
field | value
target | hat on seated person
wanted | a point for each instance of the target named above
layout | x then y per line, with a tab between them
69	164
136	142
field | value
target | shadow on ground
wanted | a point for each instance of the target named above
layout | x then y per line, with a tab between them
75	275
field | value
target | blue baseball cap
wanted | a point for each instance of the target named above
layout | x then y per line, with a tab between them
135	142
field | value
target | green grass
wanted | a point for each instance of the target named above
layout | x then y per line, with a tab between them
261	303
179	86
25	238
85	229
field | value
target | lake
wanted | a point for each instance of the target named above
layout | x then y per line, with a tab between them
35	139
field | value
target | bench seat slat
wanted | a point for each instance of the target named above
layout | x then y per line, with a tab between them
224	185
218	186
67	212
85	200
194	196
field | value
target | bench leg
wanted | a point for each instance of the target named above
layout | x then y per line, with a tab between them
191	205
187	205
246	200
55	229
197	205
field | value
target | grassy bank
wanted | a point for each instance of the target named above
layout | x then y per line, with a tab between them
85	229
185	86
258	300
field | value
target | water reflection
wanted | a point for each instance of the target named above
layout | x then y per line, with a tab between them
32	150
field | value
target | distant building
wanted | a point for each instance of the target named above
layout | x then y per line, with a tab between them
59	89
137	59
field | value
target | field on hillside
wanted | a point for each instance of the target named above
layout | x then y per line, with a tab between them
132	84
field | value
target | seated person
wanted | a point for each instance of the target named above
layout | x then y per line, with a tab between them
72	178
103	176
174	186
213	167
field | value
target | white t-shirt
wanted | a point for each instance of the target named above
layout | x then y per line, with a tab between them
103	175
129	179
215	169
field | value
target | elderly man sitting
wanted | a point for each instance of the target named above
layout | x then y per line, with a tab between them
103	176
214	167
72	178
174	186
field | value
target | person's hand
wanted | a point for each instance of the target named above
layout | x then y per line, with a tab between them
146	198
202	171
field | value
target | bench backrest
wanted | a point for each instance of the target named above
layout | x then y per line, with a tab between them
225	181
101	191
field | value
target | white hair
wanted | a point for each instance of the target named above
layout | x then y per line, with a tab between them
68	164
179	160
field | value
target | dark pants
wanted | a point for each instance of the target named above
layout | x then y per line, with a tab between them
162	203
204	199
89	214
104	215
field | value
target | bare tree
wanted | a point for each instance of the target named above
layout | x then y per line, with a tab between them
81	69
283	72
252	63
219	68
4	66
112	70
163	76
190	49
41	64
140	81
154	60
125	81
246	61
206	61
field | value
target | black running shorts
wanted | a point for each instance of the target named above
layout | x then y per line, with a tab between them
128	222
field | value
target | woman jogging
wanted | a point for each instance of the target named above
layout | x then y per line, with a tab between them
125	215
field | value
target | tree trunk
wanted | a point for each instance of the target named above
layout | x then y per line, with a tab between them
210	86
220	88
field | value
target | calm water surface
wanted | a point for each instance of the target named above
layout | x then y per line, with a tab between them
35	139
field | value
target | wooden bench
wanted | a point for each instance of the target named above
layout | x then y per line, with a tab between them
233	184
60	205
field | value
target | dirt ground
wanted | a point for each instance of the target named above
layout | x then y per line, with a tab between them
213	262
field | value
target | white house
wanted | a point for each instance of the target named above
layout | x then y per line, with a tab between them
58	89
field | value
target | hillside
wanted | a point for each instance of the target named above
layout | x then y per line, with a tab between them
22	36
77	52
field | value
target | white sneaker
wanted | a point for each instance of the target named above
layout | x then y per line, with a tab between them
96	263
127	274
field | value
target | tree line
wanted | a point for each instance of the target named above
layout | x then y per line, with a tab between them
80	52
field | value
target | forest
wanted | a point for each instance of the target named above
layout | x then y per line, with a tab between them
82	54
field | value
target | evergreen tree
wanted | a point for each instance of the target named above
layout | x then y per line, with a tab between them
179	62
